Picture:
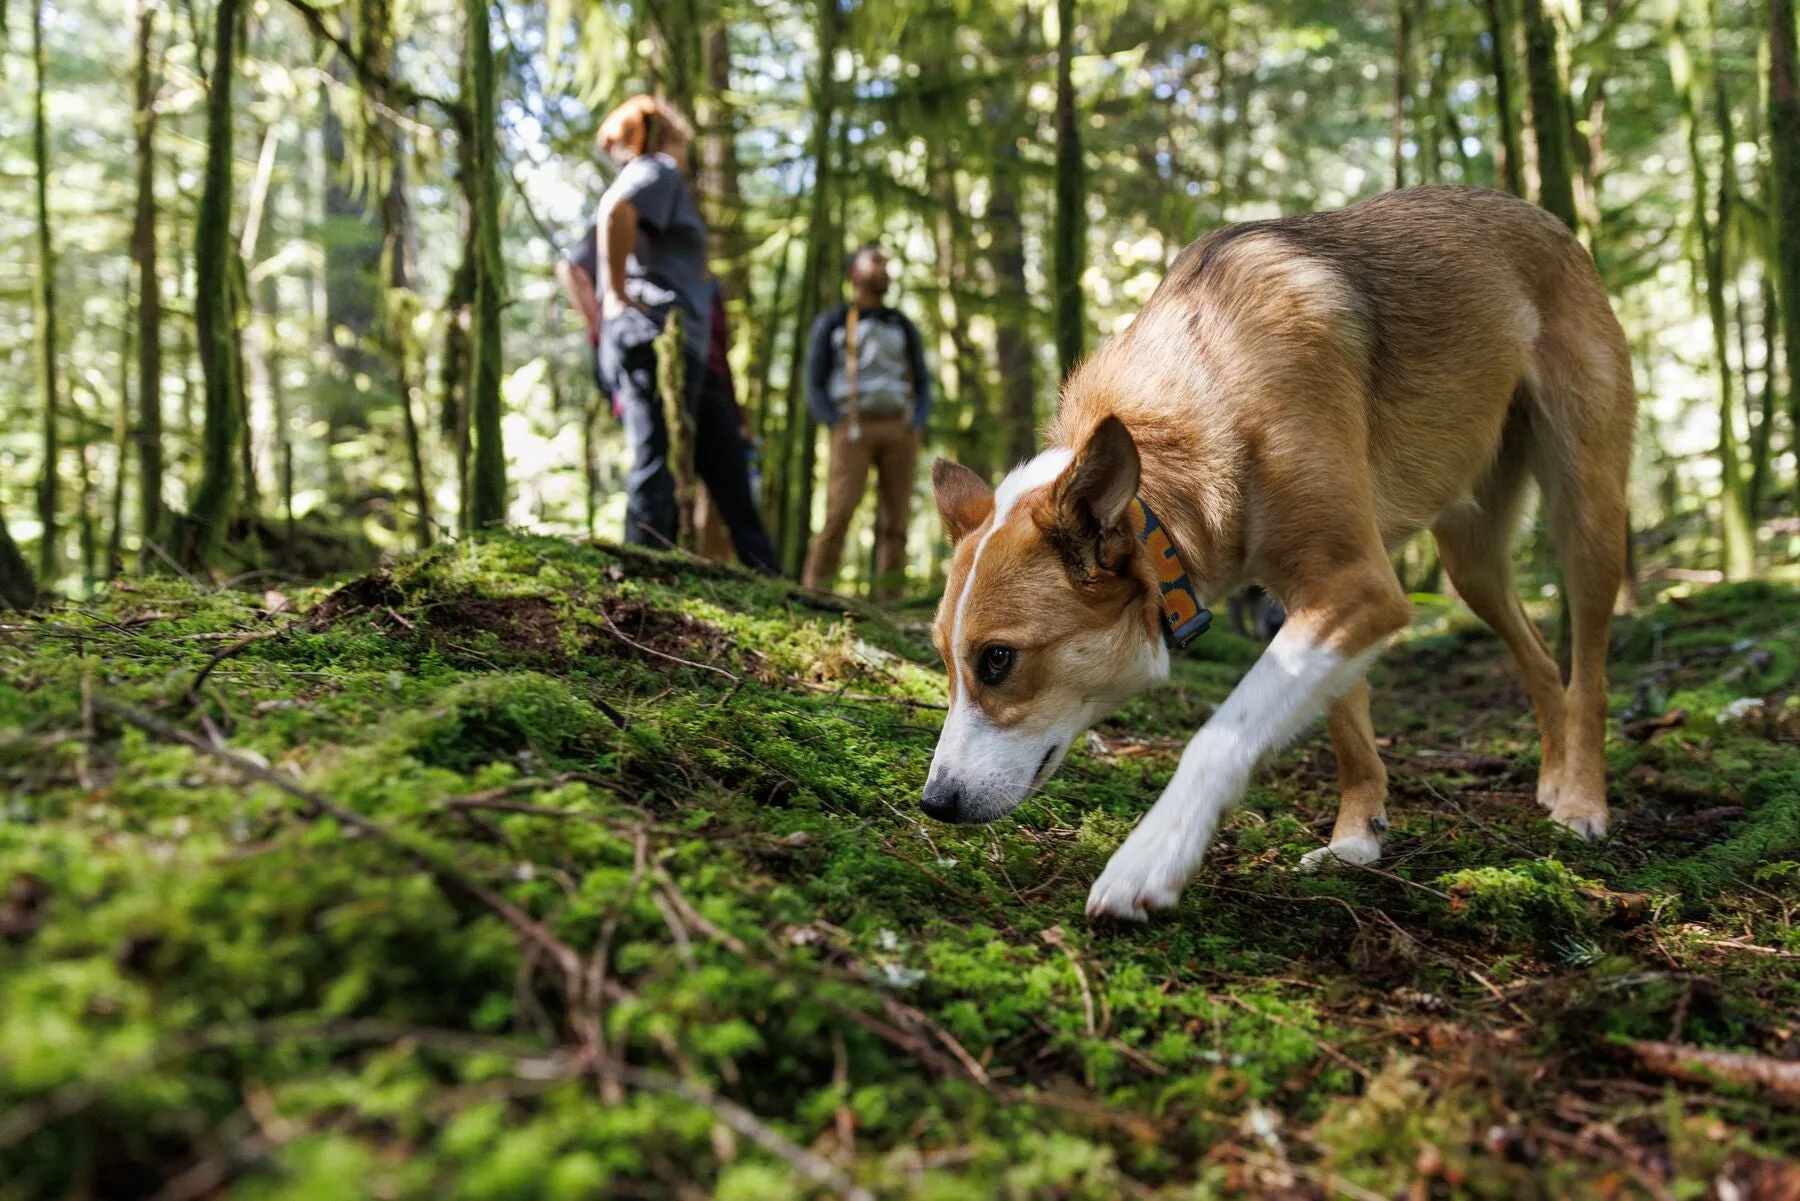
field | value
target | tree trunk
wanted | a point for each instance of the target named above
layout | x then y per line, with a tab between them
1736	539
149	301
396	224
1012	301
87	539
1762	444
115	506
973	437
1784	162
213	257
762	362
1402	85
487	505
46	311
1071	201
1549	115
720	188
798	455
17	589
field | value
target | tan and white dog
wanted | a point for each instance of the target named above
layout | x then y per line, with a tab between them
1299	396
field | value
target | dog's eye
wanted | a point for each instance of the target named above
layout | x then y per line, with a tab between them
996	664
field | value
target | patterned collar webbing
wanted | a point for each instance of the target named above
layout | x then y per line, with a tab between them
1184	618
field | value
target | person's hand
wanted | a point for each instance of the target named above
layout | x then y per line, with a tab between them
593	333
612	305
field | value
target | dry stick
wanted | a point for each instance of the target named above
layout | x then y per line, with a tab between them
844	1118
1054	937
1779	1077
529	928
813	1166
192	696
179	570
641	648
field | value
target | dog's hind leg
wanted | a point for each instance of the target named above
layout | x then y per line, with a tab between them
1582	458
1362	812
1475	546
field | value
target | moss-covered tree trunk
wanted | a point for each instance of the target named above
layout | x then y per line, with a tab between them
46	310
121	444
1071	201
149	299
487	502
453	375
18	590
720	186
1500	37
1784	170
214	255
798	458
1549	115
1006	256
1689	67
401	305
1762	444
1403	23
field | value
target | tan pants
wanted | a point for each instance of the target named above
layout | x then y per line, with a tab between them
891	446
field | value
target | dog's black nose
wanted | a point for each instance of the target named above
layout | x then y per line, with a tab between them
941	800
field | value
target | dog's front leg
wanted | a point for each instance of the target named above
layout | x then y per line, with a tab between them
1295	679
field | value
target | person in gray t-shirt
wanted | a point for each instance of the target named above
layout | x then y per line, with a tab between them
652	262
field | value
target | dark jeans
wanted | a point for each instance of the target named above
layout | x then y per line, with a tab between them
628	364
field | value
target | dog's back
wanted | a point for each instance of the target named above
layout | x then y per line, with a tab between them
1397	333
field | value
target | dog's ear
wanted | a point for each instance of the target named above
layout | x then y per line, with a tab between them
963	498
1089	516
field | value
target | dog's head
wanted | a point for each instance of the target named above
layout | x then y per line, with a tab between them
1050	619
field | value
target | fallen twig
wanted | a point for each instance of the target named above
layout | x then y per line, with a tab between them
635	645
192	695
1054	937
814	1167
517	918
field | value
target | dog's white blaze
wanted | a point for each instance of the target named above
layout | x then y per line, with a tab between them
968	735
1040	472
1291	684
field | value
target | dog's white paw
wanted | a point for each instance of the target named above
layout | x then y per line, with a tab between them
1357	851
1139	879
1586	821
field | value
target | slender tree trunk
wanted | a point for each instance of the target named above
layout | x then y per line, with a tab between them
1403	23
149	300
798	453
1012	301
87	539
1429	132
762	362
121	463
213	256
396	224
1549	115
1071	201
17	588
1736	539
46	311
719	179
1784	163
1763	442
487	506
974	437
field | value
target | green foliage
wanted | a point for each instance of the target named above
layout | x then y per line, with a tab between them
1537	899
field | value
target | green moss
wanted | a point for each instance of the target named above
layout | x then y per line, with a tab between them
1530	900
719	779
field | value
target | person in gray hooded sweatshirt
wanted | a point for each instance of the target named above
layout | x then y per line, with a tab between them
866	381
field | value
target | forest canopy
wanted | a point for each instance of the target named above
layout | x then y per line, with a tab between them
280	283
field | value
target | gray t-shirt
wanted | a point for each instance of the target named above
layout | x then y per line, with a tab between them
668	265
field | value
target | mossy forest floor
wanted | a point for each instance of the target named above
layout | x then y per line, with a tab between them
529	869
